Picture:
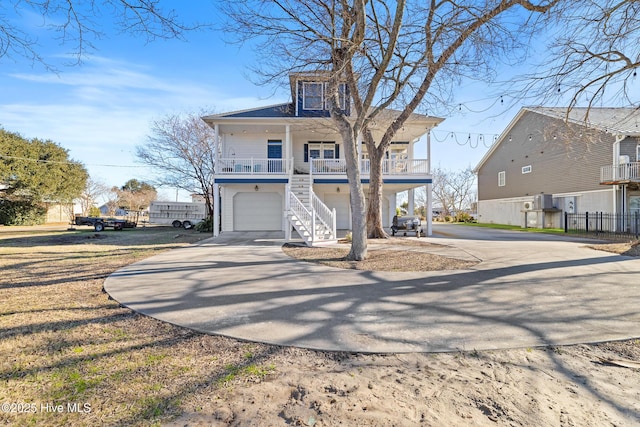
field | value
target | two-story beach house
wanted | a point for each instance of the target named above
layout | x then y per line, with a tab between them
548	162
282	166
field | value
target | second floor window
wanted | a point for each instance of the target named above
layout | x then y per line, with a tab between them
312	98
342	96
501	178
315	96
324	150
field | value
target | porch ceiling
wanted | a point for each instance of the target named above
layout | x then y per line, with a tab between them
324	127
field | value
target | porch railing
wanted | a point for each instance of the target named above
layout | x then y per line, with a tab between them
253	166
389	167
623	172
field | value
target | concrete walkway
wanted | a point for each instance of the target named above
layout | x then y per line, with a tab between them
529	290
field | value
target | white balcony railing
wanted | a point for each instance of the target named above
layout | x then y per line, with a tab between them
622	172
389	167
253	166
261	166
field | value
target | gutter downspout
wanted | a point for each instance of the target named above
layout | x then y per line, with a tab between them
616	167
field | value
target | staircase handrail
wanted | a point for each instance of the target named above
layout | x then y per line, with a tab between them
325	215
303	214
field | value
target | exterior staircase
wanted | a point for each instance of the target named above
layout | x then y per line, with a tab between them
301	188
311	218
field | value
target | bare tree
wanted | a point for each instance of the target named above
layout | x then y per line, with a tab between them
453	191
181	149
594	57
112	201
92	191
404	54
74	24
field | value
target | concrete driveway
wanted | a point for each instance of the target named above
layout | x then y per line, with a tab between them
528	290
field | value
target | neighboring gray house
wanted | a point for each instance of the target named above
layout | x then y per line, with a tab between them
548	162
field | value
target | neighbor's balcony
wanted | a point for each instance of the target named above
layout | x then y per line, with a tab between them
620	174
253	166
389	167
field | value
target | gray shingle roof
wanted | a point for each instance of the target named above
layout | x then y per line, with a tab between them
616	121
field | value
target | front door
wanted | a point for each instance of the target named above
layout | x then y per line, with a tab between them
274	155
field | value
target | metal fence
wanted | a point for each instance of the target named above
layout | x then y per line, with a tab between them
603	225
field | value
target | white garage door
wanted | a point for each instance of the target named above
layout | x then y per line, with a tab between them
341	204
257	212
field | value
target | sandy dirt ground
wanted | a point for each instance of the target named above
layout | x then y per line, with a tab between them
559	386
579	385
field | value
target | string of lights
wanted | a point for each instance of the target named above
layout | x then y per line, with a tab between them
473	140
483	110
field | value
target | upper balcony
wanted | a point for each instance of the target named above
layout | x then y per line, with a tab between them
624	173
389	167
254	166
245	167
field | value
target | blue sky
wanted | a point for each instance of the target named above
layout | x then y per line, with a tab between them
103	108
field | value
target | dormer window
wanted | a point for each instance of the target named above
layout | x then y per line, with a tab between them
315	96
342	90
312	96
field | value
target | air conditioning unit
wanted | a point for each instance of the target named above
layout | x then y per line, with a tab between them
527	206
543	201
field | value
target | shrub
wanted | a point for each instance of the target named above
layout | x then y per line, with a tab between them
463	217
21	213
205	226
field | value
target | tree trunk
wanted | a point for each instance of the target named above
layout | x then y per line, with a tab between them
358	250
374	207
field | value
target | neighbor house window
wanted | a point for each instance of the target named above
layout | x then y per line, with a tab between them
501	179
638	153
526	169
312	96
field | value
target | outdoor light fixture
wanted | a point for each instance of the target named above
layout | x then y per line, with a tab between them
256	188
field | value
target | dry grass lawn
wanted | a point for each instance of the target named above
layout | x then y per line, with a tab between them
71	356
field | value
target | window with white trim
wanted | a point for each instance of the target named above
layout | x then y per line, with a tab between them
501	178
315	96
526	169
312	98
638	153
322	150
342	96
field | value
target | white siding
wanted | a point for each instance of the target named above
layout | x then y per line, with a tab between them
510	211
248	145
